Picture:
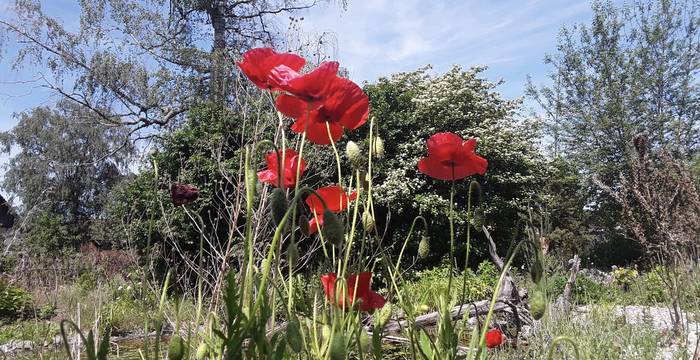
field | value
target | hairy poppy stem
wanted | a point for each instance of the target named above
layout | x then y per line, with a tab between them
559	339
452	238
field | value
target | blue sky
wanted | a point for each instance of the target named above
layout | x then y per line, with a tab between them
379	37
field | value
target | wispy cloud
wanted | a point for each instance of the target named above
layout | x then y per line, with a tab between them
377	38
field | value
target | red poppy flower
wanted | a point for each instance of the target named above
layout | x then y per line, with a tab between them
289	168
257	64
494	338
359	292
183	194
343	106
310	87
451	158
335	198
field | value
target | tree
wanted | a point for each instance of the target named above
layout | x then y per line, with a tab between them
143	63
65	164
633	69
408	108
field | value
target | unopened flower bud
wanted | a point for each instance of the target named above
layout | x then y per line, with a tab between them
333	229
278	205
304	225
202	351
176	348
292	253
378	150
352	151
475	192
424	247
368	221
384	315
538	304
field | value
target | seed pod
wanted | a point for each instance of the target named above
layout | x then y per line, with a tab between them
538	304
292	253
333	229
424	247
338	350
202	351
294	337
352	151
378	150
304	225
278	205
176	348
368	221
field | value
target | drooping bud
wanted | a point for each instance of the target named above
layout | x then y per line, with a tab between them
475	192
352	151
424	247
537	269
292	253
478	218
333	228
538	304
368	221
176	348
378	150
337	349
202	351
294	337
278	205
304	225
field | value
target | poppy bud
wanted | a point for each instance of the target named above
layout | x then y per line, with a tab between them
304	225
378	150
424	247
538	304
338	350
368	221
292	253
251	180
333	229
294	337
352	151
325	332
536	270
202	351
176	348
183	194
365	341
278	205
478	218
475	192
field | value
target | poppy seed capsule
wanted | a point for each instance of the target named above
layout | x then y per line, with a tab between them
368	221
424	247
333	229
304	225
352	151
538	304
378	150
278	205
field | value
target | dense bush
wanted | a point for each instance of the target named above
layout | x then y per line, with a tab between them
14	301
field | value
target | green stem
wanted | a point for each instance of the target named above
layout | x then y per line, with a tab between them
452	240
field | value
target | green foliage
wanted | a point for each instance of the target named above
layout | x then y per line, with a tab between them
624	277
428	284
409	108
14	301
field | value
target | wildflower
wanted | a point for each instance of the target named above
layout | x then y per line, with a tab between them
289	169
494	338
342	106
451	158
335	198
258	63
183	194
359	292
